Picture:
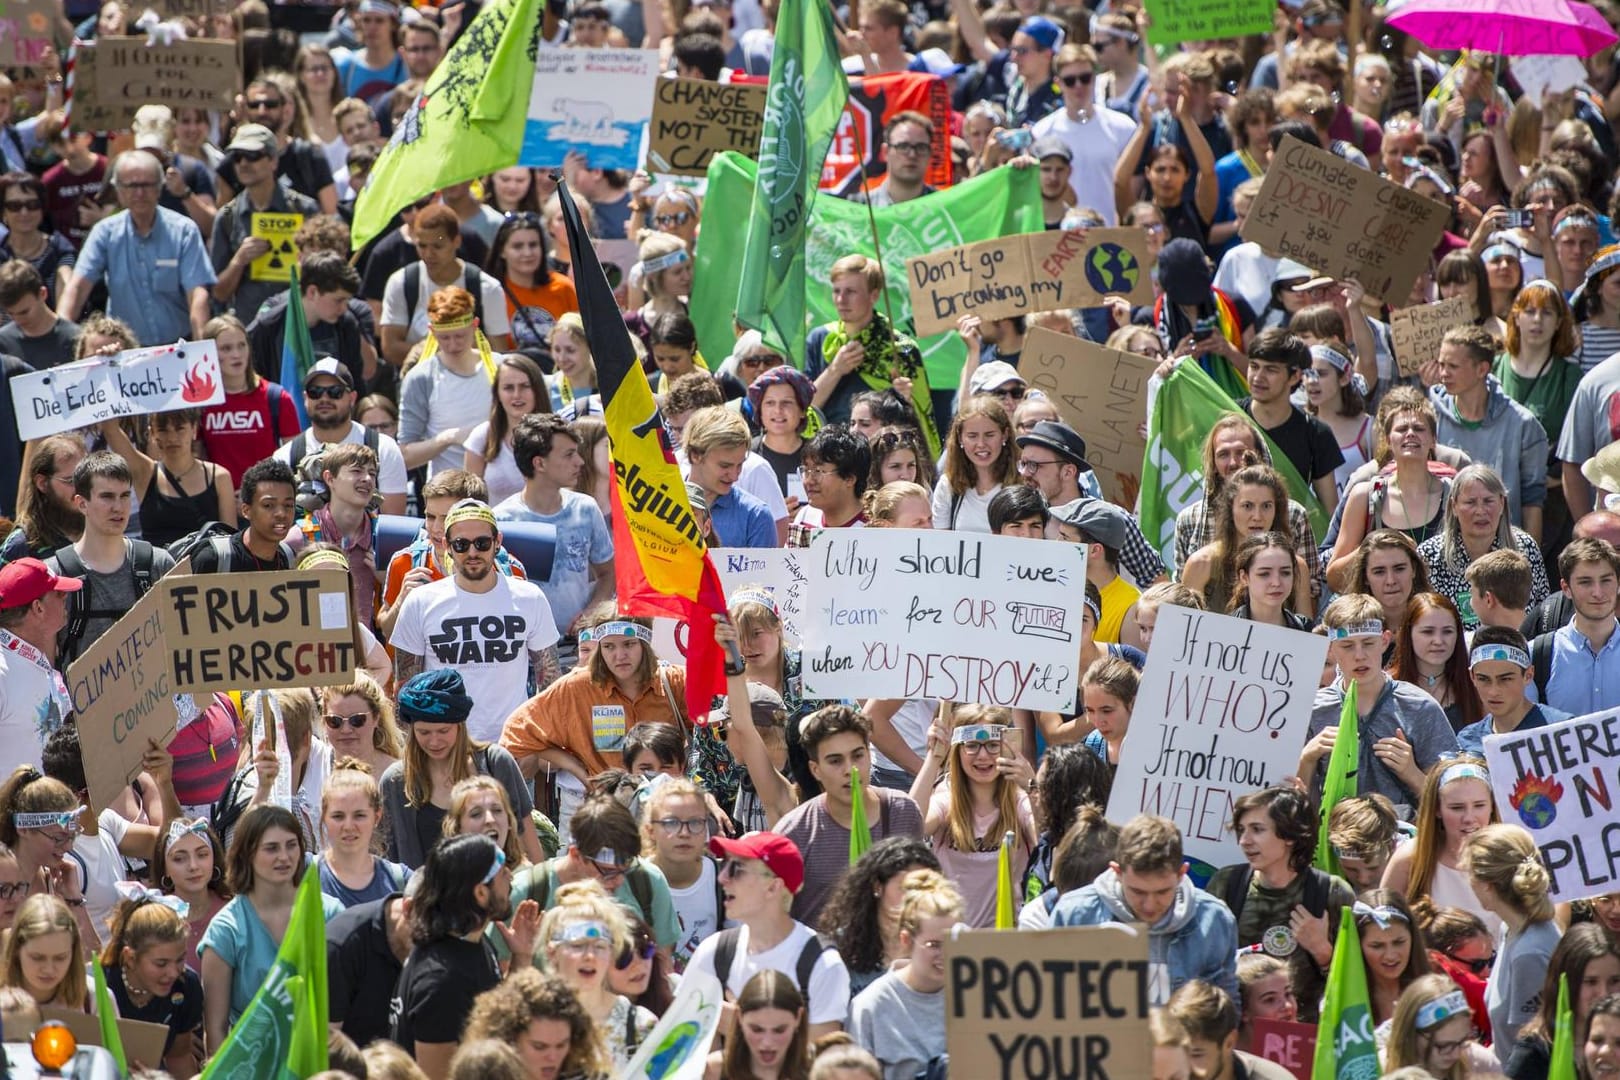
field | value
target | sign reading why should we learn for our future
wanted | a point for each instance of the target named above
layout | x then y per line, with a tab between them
1561	782
1046	1004
1223	711
116	76
160	379
695	119
1019	275
593	102
904	613
1344	221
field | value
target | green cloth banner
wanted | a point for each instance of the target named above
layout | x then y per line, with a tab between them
1345	1047
999	203
1340	783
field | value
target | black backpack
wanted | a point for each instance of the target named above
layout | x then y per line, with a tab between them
139	555
725	954
298	449
471	280
215	536
1315	900
1541	657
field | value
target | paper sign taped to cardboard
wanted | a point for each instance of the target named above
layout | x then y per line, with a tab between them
26	30
116	76
277	230
164	378
1344	221
694	119
1102	394
1018	275
1417	330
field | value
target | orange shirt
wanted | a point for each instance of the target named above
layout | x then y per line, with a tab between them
588	719
399	564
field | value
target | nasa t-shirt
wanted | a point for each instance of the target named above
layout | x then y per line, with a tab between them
485	636
236	432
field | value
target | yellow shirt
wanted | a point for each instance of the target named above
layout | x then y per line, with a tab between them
1117	597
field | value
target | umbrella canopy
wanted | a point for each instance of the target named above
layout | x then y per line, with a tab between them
1506	27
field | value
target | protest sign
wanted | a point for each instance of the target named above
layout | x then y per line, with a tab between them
1344	221
694	119
143	1040
1538	75
180	376
777	570
25	31
1284	1042
116	76
1417	330
1560	782
593	102
262	631
1223	711
959	617
277	229
1175	21
1019	275
1102	394
1048	1003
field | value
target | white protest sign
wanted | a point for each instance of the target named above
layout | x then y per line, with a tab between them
1560	783
596	102
1538	75
180	376
907	613
777	570
1223	711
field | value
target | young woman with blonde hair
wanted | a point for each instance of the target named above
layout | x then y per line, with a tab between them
45	954
772	1036
351	809
1511	882
479	804
901	1016
1433	1028
145	967
375	739
579	938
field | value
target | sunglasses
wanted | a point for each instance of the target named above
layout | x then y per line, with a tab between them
670	221
523	217
1082	79
251	157
25	204
1014	392
260	106
461	544
355	721
646	950
1481	967
334	392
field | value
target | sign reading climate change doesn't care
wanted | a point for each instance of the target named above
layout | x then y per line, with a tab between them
905	613
1561	782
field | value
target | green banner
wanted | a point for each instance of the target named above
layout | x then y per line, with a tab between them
1345	1047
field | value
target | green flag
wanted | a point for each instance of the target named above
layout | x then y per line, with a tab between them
804	104
1345	1048
1562	1066
468	121
1340	783
998	203
107	1016
1006	918
281	1035
860	832
1185	410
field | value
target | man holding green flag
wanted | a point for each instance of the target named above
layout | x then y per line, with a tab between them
803	105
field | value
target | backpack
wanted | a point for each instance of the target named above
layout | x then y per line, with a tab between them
306	467
140	557
215	536
636	877
1541	657
725	954
299	447
471	280
275	393
1314	901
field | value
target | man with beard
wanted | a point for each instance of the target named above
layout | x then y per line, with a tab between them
497	631
466	886
329	400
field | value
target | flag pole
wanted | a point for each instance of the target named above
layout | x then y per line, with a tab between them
871	218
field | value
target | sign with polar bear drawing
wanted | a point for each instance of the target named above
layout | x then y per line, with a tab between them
592	102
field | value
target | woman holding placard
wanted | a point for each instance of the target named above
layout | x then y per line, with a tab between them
1455	804
980	459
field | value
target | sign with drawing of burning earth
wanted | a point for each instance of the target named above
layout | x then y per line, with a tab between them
180	376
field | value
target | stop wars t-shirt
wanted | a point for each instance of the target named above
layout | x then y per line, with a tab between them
237	432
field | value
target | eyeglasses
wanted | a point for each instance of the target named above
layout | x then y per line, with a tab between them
61	838
250	157
1026	467
1082	79
25	204
819	474
982	746
461	544
332	392
670	221
678	826
13	890
609	871
355	721
645	950
913	148
262	105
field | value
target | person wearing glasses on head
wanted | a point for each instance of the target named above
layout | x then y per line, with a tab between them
152	260
908	142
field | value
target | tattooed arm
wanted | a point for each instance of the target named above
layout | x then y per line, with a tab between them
544	667
405	665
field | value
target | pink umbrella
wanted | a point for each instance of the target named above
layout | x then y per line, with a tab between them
1506	27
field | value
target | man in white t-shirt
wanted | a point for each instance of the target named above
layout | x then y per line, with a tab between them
329	401
497	631
1095	136
33	610
760	874
404	319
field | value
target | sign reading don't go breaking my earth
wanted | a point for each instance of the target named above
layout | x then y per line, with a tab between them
159	379
903	613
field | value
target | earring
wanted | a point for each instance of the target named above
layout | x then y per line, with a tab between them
166	883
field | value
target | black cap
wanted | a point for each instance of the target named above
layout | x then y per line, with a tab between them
1059	438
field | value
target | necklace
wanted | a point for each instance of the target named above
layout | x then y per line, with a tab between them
1422	527
137	996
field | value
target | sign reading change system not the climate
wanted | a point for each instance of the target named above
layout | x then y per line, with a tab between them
694	119
160	379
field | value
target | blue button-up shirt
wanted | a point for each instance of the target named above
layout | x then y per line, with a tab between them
149	278
742	521
1583	682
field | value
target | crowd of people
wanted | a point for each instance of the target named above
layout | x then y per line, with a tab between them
520	829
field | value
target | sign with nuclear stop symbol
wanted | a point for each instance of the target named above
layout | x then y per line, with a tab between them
278	230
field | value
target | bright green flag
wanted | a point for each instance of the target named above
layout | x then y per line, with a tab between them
806	100
998	203
281	1035
468	121
1005	916
860	832
1184	412
107	1016
1340	782
1345	1048
1562	1066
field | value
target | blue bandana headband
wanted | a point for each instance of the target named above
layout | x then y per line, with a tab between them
1383	914
583	931
179	828
494	867
977	733
587	634
1370	628
1464	770
1507	654
624	629
1434	1013
664	262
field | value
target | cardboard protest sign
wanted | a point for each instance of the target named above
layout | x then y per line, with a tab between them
1284	1042
1048	1003
1019	275
143	1041
160	379
594	102
116	76
1102	394
1223	711
1344	221
278	229
905	613
694	119
778	570
192	9
26	31
1560	783
1417	330
262	631
1175	21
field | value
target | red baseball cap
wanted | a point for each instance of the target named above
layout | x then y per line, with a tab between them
26	580
779	854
